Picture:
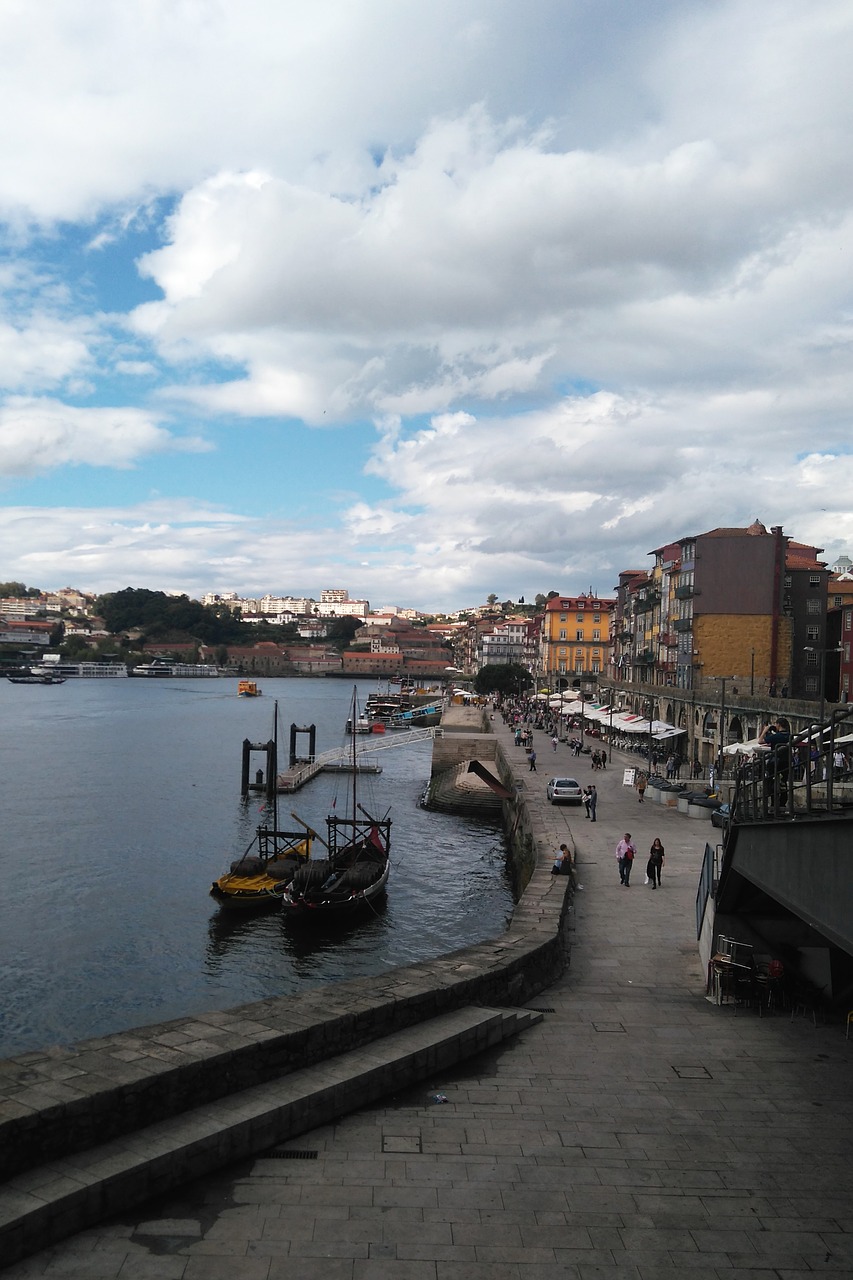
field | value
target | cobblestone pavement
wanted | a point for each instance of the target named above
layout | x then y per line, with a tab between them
638	1132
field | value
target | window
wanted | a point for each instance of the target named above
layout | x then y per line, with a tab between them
787	580
847	652
813	604
596	667
562	617
579	618
811	659
811	684
813	633
845	683
596	635
562	633
838	601
596	617
562	651
562	666
579	634
814	579
848	619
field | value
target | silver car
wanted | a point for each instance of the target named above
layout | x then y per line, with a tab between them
564	790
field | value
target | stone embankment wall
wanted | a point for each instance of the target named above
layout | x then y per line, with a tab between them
69	1099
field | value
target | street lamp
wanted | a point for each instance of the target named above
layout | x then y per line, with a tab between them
651	703
721	734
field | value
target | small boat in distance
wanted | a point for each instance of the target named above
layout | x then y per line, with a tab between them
355	871
248	689
29	678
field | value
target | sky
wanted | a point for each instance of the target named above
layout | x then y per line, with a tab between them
427	299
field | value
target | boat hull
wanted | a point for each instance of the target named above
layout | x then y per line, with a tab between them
346	901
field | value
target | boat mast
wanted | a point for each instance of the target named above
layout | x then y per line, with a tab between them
275	773
354	764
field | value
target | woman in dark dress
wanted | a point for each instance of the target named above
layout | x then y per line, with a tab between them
655	862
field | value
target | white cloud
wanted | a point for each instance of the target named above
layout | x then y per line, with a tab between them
41	434
607	248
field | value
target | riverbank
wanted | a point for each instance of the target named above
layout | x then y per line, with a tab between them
635	1130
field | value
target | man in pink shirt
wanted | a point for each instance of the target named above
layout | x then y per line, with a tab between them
625	851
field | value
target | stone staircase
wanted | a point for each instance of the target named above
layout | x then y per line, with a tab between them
458	791
41	1205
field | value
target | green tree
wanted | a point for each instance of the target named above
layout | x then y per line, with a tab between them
343	630
505	678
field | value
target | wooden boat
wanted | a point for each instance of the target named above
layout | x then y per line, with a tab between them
34	679
260	877
355	871
248	689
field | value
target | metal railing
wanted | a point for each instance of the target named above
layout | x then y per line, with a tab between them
809	774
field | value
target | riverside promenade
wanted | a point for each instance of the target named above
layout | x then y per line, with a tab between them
636	1132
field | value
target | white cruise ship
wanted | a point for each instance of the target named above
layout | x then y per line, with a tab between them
160	668
70	670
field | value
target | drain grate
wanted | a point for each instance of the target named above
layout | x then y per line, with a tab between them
540	1008
281	1153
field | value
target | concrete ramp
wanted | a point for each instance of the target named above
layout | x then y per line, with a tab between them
43	1205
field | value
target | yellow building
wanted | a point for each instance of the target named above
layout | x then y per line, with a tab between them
575	639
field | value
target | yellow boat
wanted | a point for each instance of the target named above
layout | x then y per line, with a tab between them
248	689
260	877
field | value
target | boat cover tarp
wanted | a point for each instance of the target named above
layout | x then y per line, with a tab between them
490	780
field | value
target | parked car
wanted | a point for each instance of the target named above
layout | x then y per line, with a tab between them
566	790
720	817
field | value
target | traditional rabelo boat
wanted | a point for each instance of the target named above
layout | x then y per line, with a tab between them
354	872
259	878
27	677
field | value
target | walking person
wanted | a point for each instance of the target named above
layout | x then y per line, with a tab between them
640	784
585	794
592	802
554	741
531	760
655	862
625	851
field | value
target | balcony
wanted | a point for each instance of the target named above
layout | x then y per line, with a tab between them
683	624
686	592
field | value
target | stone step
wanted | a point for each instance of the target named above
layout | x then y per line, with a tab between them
66	1195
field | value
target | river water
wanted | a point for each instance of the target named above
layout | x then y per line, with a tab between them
120	803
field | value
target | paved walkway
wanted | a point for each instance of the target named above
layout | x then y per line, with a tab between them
637	1132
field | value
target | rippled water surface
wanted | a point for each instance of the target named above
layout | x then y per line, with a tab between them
121	803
